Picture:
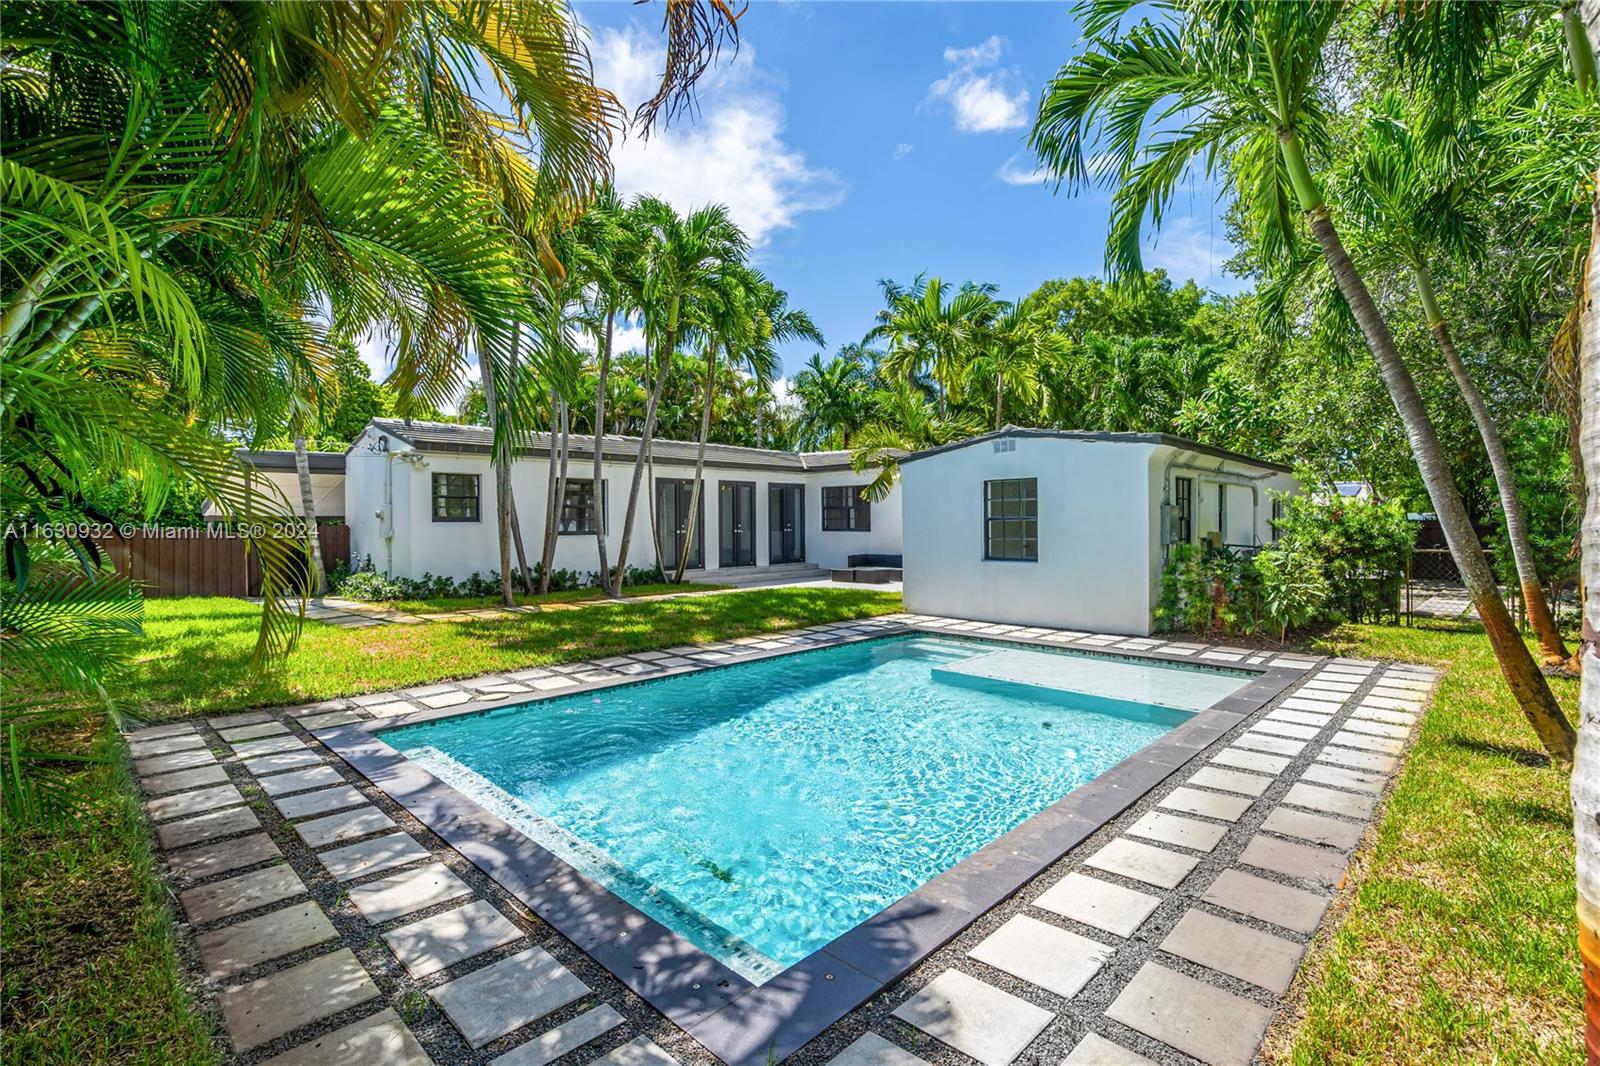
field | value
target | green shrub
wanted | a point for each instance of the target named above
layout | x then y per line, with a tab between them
1341	559
1293	587
1363	548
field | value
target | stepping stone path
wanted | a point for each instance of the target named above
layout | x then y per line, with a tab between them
1293	791
285	869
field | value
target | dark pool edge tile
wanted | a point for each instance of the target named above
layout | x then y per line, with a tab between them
737	1021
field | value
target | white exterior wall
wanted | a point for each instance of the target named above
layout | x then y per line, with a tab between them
1095	535
456	549
327	492
1102	528
832	549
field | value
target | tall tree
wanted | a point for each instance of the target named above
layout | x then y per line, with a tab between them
835	398
679	260
746	316
602	249
1244	84
1414	205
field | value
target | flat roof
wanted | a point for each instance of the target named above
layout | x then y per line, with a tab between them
455	437
283	459
1103	437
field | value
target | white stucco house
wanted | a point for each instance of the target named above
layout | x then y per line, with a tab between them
419	498
1070	529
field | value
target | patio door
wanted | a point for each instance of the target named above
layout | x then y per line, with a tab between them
786	523
672	516
736	512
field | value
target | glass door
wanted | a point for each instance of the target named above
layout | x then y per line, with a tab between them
786	523
672	517
736	511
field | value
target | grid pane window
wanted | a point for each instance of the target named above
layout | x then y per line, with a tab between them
578	506
844	509
1182	510
1011	519
455	497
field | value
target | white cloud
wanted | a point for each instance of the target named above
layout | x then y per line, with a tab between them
983	96
731	151
1186	247
901	151
1020	169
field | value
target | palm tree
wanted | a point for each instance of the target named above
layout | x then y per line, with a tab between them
1013	350
182	180
679	260
602	250
1413	204
1245	84
903	422
932	329
748	315
835	398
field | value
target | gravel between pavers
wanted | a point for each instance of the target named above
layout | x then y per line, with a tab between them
1077	1016
398	989
441	1040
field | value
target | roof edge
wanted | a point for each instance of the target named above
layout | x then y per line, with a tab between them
1103	436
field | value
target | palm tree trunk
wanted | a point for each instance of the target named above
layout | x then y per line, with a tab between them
552	501
308	511
501	461
648	430
1586	772
1551	648
559	495
999	397
699	463
1521	673
1528	686
524	575
599	431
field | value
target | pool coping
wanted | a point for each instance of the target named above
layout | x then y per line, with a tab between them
734	1019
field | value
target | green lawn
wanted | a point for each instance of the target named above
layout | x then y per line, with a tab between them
1461	942
199	649
442	604
1458	946
90	971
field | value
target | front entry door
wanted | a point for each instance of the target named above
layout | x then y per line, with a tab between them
786	523
736	510
672	517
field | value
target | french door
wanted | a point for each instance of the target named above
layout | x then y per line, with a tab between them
672	517
786	523
736	512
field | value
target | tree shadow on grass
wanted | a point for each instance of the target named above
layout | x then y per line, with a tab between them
1531	757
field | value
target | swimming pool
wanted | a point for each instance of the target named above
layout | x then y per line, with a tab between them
763	809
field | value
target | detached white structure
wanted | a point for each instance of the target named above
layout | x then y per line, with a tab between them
419	498
277	469
1070	529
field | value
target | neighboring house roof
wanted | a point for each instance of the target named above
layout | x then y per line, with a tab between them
1164	439
1358	490
476	440
277	459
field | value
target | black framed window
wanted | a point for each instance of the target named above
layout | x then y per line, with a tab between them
1182	510
578	506
1277	515
843	509
1011	519
455	497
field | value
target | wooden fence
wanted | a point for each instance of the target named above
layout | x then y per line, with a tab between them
203	562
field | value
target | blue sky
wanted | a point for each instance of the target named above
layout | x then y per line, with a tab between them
858	141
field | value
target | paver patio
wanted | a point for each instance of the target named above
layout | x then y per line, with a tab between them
331	927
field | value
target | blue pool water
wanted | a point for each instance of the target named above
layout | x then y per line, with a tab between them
763	809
